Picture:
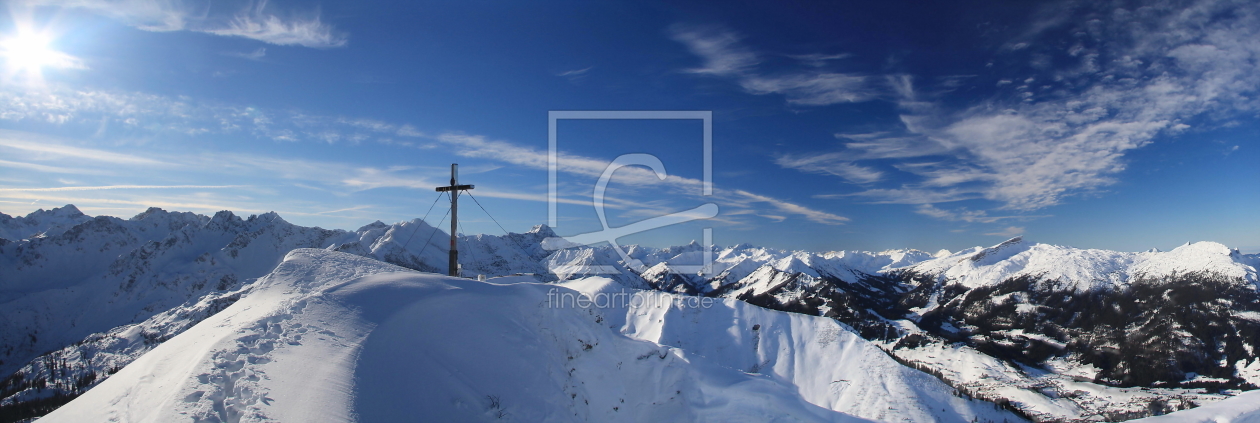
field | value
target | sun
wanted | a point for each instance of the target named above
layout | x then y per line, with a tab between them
29	52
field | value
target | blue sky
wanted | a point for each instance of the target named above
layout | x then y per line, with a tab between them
947	125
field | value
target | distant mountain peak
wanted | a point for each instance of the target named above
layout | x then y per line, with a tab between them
66	211
270	217
543	230
1001	249
151	211
41	223
223	216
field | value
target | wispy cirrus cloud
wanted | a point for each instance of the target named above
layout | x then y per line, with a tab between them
256	55
908	195
574	75
187	119
1009	231
481	147
109	187
576	72
962	214
724	55
836	164
1053	133
1067	133
34	144
49	169
256	23
253	19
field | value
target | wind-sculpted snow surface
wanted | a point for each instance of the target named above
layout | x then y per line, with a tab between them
335	337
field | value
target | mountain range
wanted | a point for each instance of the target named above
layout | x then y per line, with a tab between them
1013	331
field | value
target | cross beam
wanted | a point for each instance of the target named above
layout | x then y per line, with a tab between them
454	188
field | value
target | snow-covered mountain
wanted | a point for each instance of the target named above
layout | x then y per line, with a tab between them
1061	333
91	294
329	336
40	223
1244	408
1050	333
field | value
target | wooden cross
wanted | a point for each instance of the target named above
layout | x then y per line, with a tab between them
454	188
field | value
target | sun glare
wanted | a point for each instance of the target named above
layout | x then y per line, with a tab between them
29	53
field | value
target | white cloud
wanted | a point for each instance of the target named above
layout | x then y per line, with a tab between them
812	89
634	177
359	207
255	55
1052	134
193	203
962	214
258	25
909	195
536	197
725	56
48	169
817	59
791	208
159	115
108	187
831	164
720	49
253	20
576	72
409	131
1009	231
887	146
35	144
575	75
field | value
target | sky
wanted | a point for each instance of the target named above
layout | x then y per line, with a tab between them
835	125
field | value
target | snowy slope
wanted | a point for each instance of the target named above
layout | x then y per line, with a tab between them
77	305
334	337
1244	408
108	272
829	364
105	272
1059	333
1086	325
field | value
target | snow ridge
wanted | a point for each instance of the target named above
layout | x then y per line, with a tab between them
328	336
1083	270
